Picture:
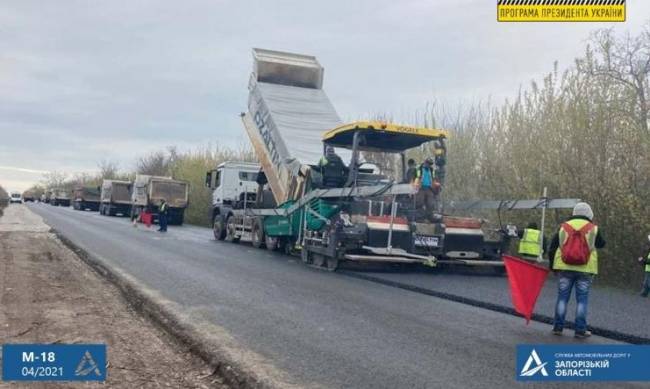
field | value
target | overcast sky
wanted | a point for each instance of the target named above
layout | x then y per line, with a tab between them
84	81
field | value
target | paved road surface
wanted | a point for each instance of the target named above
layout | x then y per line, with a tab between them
323	329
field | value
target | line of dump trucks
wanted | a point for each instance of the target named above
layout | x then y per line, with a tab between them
287	202
126	198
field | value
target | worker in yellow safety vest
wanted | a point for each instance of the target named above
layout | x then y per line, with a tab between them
574	258
530	242
645	260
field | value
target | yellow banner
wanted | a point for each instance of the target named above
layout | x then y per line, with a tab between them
561	10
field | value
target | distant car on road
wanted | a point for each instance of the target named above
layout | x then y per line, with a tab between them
15	198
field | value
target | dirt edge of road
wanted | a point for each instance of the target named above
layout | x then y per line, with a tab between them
228	363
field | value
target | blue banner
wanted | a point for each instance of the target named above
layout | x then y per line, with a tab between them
54	362
563	362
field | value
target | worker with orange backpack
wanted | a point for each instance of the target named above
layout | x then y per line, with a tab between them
573	256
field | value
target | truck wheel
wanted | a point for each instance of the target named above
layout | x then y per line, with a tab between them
218	228
318	260
257	235
230	230
271	242
109	210
305	256
332	263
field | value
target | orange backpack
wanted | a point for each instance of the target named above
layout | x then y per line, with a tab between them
575	250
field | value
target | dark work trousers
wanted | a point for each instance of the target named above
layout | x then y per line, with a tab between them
427	199
162	220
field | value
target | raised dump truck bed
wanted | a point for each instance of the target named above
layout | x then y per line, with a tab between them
288	111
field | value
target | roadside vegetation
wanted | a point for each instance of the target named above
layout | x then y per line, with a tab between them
4	199
583	132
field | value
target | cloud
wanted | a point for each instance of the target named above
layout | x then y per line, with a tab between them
22	170
86	81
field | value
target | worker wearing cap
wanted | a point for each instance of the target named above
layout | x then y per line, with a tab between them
570	275
426	182
163	212
332	169
645	260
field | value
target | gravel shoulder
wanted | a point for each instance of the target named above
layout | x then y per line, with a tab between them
48	295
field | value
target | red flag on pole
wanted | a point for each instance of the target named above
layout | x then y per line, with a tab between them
526	280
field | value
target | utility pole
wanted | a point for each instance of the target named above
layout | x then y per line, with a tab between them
541	235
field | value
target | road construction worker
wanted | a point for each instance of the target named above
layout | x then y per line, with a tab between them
163	212
530	242
426	181
332	169
574	257
411	172
645	260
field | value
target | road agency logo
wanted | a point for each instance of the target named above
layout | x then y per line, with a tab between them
86	366
582	362
533	366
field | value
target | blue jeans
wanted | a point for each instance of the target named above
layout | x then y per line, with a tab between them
646	285
566	281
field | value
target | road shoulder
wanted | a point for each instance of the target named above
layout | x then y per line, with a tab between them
48	295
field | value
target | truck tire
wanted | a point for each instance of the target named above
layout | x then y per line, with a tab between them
180	218
306	256
109	210
257	234
271	242
332	263
218	229
230	230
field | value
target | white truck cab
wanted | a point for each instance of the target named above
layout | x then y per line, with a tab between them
230	179
230	182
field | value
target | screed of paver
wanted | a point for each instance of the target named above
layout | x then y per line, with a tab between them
48	295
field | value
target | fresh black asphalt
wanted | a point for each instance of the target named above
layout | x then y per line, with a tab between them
323	329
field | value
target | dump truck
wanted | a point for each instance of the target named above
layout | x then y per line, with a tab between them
60	197
29	196
115	198
369	217
230	181
149	190
86	198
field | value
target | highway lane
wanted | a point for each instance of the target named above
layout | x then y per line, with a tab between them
610	308
321	328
